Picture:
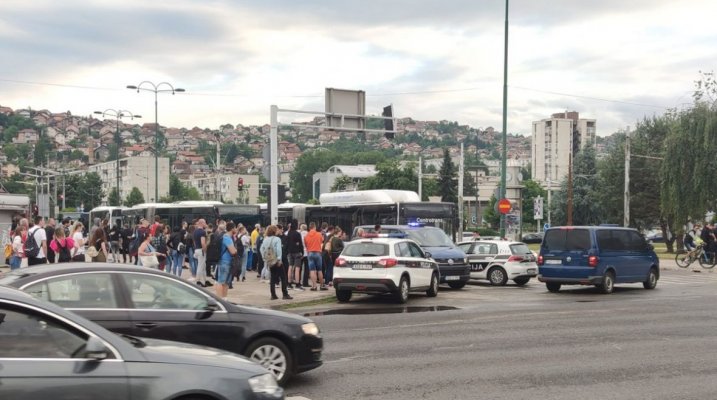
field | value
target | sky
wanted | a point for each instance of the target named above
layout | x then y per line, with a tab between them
614	61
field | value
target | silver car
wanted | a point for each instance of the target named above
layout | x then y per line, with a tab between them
50	353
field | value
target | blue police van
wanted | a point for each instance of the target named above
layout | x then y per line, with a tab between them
596	255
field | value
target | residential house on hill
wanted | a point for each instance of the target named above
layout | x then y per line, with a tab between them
24	136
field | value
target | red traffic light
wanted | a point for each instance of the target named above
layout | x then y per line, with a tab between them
240	183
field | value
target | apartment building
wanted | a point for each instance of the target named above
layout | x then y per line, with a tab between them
552	145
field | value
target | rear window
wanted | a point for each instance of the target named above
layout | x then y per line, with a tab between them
430	237
520	248
567	240
365	249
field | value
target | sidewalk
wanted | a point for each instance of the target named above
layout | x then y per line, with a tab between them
254	292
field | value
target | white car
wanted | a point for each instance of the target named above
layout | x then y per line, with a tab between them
500	260
384	265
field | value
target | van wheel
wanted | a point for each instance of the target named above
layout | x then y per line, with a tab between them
608	283
521	281
651	281
497	276
433	289
553	287
402	294
343	296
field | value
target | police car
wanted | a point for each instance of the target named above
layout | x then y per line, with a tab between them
500	260
384	264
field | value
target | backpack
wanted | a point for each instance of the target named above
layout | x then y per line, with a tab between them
215	249
32	248
139	235
268	253
181	248
64	254
239	245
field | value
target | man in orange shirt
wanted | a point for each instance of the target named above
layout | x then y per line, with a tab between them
314	241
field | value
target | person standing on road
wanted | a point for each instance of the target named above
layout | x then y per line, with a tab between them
295	248
255	265
17	243
227	251
114	238
37	232
245	239
49	235
708	236
314	242
337	246
271	251
176	258
78	255
200	251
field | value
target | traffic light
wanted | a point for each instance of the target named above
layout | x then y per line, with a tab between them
388	123
240	184
35	210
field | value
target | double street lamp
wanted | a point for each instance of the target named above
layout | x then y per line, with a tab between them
162	87
118	114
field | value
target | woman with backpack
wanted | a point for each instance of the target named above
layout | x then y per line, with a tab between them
177	249
159	242
271	252
62	246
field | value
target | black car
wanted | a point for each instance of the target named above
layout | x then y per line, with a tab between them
532	238
51	353
153	304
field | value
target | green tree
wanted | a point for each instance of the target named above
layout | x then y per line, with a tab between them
113	198
447	179
134	197
390	175
586	210
341	183
92	190
490	215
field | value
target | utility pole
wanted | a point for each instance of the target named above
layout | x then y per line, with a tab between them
626	221
460	196
420	178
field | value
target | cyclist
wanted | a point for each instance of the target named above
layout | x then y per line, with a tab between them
690	236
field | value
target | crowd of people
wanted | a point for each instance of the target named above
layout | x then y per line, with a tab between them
292	257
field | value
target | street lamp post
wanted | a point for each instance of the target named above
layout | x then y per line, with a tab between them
118	114
151	87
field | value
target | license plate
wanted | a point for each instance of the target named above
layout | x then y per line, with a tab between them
453	278
553	261
531	270
362	266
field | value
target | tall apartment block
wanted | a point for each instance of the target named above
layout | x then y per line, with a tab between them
552	145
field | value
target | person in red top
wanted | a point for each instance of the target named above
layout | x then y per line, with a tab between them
314	242
155	225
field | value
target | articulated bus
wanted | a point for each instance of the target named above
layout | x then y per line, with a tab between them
370	207
187	211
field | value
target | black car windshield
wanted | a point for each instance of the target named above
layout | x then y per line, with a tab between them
430	237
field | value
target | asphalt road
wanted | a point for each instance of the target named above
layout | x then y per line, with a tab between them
523	343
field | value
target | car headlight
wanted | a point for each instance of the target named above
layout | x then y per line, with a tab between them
310	329
264	384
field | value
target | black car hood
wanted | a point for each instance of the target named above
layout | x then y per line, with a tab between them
288	317
165	351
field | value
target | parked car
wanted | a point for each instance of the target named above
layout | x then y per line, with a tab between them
596	255
531	238
383	265
150	303
452	262
51	353
500	260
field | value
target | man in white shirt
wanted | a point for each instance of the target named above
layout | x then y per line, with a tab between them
37	232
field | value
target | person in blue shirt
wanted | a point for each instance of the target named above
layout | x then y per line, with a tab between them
225	260
272	254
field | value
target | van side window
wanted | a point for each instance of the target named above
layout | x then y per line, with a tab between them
637	242
612	240
567	240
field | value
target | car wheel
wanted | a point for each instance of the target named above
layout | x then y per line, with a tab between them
343	296
272	354
433	289
497	276
651	281
608	283
553	287
457	285
403	287
521	281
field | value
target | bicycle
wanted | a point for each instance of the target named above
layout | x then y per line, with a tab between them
707	259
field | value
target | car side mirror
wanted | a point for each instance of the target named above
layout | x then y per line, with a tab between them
212	306
95	349
428	254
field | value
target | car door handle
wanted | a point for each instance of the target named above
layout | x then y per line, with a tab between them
145	325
